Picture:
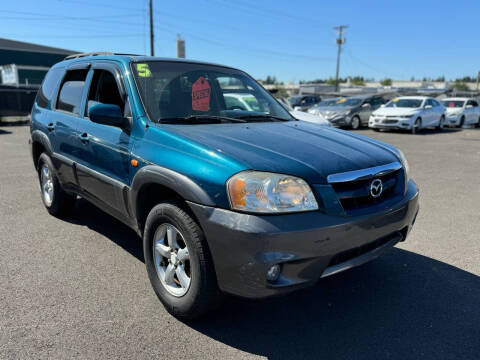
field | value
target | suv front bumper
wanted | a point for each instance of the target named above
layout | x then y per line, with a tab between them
307	245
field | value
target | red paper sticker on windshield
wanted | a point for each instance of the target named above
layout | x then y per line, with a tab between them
201	95
451	104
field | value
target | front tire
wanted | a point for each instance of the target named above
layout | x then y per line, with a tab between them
462	122
355	123
417	125
57	202
178	262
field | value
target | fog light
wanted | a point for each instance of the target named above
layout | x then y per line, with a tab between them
273	272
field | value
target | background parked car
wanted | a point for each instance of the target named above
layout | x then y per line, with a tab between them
461	111
245	101
305	116
353	111
303	102
322	105
410	113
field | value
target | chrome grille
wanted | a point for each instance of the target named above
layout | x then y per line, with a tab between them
353	188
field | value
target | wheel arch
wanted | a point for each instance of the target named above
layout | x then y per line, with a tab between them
40	144
154	184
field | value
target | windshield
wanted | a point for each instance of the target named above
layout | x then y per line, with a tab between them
349	102
326	103
294	100
453	103
405	103
172	91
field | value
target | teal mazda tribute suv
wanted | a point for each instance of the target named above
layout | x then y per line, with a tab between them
228	198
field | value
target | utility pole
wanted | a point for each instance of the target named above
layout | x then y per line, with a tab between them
340	41
152	50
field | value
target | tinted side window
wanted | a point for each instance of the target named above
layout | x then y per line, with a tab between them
49	85
70	96
104	90
474	103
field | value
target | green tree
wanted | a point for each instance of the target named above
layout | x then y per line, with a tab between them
331	81
386	82
460	86
358	80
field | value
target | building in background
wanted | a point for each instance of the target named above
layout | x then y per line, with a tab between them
22	69
180	47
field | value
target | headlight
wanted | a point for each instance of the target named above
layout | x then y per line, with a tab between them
348	112
264	192
404	161
406	116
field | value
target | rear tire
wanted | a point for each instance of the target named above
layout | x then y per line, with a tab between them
57	202
417	125
198	294
441	123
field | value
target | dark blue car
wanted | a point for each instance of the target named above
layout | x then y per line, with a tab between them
228	198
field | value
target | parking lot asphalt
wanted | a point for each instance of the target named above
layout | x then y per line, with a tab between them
77	288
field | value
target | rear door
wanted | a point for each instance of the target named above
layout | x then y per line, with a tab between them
475	112
429	117
64	120
469	112
438	110
103	168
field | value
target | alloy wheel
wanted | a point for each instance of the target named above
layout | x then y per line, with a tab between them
172	259
46	183
355	123
441	124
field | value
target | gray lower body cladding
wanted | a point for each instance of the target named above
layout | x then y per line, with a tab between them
307	245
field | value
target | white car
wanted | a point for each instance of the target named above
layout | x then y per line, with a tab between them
461	111
240	101
411	113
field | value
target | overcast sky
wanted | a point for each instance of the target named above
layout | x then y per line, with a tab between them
292	40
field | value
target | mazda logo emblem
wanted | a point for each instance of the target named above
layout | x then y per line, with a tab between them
376	188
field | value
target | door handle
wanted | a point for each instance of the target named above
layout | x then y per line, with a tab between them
51	127
83	138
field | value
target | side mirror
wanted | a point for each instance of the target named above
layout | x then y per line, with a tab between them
366	105
469	106
427	107
107	114
382	106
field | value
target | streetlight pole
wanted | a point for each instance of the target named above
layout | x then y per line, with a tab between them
152	50
340	41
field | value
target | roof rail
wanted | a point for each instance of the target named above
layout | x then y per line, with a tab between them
97	53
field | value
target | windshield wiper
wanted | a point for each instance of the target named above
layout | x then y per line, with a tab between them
263	116
200	119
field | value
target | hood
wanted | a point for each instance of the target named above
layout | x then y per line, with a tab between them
298	148
392	111
453	110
